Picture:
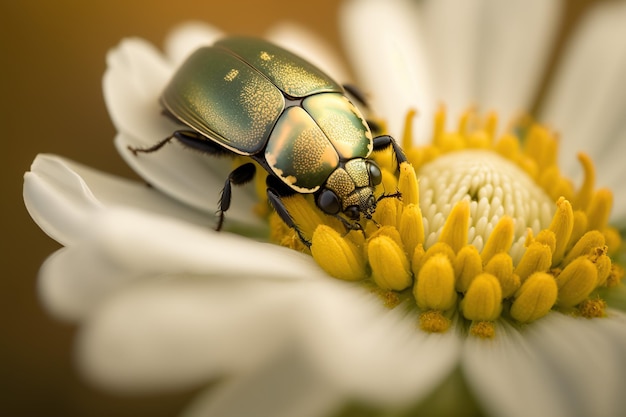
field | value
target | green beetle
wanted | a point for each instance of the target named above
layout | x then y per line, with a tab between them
249	97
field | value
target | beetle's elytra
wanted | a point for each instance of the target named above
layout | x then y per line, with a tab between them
249	97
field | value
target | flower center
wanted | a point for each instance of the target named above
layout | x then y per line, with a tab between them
492	231
494	187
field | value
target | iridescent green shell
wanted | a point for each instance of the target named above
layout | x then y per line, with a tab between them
307	145
293	75
218	95
257	99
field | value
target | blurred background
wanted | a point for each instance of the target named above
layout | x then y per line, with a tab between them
53	58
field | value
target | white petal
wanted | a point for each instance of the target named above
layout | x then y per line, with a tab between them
504	372
451	29
386	49
62	195
186	38
515	39
190	177
179	333
121	247
135	77
586	103
558	366
288	386
58	199
133	83
372	353
306	44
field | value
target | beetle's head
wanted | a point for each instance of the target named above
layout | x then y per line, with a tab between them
350	189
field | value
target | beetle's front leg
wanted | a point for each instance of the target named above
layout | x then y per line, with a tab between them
276	190
351	226
239	176
385	141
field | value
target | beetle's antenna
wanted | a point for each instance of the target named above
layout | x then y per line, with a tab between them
397	195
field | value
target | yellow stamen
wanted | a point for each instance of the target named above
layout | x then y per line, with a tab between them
586	190
483	329
579	229
455	229
337	256
537	258
483	300
478	140
548	238
576	282
562	225
501	267
411	227
585	245
508	146
434	289
390	299
464	121
615	277
416	261
529	166
467	265
438	130
602	263
499	240
437	248
540	147
407	134
433	321
599	209
389	231
390	266
491	124
387	212
613	240
407	184
554	185
592	308
535	298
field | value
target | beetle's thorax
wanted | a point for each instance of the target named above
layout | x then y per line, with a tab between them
351	182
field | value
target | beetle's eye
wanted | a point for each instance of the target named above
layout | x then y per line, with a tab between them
375	175
352	212
328	202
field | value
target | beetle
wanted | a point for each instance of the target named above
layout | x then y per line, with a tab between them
246	96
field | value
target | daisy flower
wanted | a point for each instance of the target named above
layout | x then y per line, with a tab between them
492	286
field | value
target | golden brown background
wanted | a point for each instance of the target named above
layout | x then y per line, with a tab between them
52	59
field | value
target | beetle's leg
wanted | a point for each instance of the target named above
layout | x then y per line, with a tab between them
276	190
189	138
350	226
152	148
384	142
239	176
